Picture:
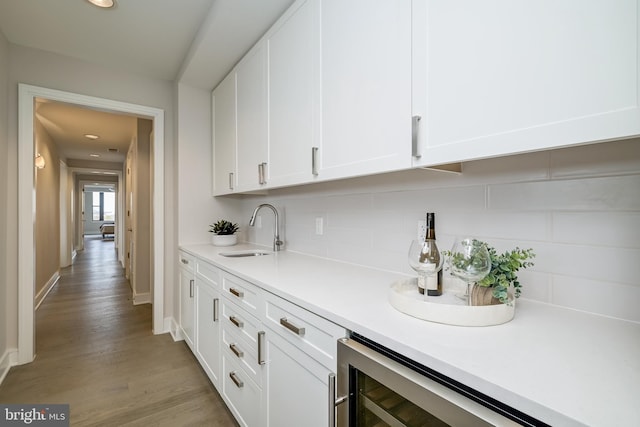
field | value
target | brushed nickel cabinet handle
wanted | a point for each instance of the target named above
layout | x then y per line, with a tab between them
236	292
236	322
239	353
230	180
216	302
314	161
261	360
293	328
415	124
191	288
184	261
237	381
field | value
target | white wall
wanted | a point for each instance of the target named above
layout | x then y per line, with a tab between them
55	71
196	207
578	208
4	168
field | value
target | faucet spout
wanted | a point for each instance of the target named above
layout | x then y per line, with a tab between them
277	243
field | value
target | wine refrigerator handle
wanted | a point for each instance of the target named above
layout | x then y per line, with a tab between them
333	400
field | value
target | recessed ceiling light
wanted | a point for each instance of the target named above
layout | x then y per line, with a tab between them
94	155
91	136
102	3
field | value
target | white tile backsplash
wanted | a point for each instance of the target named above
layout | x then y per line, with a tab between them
578	208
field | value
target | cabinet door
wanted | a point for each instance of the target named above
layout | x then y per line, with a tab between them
289	371
506	77
252	119
187	305
294	94
241	394
208	329
366	87
223	104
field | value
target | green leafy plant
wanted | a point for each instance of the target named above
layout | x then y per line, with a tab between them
503	271
223	227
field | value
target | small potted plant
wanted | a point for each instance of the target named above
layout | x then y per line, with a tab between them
224	233
494	287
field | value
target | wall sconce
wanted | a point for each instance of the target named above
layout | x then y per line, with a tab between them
40	164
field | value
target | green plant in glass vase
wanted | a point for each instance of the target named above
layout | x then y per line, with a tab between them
503	271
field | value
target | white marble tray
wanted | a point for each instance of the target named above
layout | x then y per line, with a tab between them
447	308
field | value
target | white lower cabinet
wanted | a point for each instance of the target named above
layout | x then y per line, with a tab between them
186	285
240	393
207	342
269	359
301	353
296	386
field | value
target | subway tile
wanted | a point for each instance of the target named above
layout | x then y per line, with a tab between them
606	193
518	168
601	297
603	263
618	229
470	197
618	157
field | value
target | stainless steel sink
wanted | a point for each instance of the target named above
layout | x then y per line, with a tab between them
248	253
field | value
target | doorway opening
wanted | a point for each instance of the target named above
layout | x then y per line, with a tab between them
27	96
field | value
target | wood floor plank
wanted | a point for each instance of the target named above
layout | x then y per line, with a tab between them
96	352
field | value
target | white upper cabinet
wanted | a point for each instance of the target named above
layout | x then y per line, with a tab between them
223	103
502	77
366	87
294	94
251	98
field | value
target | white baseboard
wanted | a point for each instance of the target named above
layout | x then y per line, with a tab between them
175	331
141	298
47	288
8	359
168	321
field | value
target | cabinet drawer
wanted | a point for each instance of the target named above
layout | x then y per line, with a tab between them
241	394
310	333
245	294
247	357
186	261
208	273
241	323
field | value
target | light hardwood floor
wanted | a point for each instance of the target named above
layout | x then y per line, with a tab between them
95	351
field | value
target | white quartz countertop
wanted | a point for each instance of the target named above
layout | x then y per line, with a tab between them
563	367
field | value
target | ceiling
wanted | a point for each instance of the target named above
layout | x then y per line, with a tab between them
195	42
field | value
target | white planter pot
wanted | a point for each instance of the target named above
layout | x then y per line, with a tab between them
224	240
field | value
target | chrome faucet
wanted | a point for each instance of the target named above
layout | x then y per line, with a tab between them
277	243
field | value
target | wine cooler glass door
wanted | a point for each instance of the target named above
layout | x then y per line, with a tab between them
384	392
378	405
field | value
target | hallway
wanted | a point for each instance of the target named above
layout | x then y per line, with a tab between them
95	351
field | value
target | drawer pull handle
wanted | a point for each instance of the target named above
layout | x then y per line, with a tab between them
236	322
216	302
237	381
236	350
185	261
261	348
293	328
236	292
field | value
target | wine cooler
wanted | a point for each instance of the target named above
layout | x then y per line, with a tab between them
377	387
